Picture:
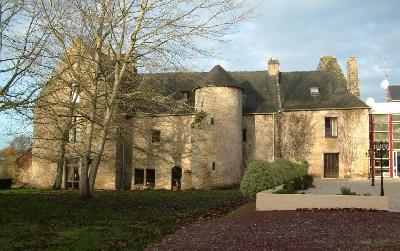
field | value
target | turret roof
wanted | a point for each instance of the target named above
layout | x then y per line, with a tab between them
219	77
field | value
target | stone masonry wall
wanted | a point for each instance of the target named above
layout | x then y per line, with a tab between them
217	143
260	138
173	149
351	143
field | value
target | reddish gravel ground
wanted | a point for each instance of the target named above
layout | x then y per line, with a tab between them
302	229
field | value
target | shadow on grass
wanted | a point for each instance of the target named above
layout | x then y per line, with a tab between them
41	219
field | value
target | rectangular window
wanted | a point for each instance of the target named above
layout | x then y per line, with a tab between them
396	145
385	163
244	135
331	165
386	172
381	127
139	177
378	118
72	175
213	166
378	136
73	131
150	177
396	117
331	127
155	136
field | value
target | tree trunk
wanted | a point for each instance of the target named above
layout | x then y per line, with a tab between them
86	162
59	174
100	149
61	158
84	188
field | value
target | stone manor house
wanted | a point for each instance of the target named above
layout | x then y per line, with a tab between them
235	117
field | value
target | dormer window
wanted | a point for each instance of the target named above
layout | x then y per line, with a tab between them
314	91
185	96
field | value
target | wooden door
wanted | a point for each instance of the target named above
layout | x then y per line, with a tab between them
331	165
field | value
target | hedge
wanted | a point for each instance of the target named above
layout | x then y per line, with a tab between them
262	175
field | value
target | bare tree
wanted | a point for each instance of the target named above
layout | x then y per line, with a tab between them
22	53
122	37
21	143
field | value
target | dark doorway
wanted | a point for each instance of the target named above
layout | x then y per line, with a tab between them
150	177
176	174
397	163
331	165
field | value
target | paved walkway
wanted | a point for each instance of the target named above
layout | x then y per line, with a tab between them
360	186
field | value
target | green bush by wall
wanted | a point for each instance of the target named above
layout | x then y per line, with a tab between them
262	175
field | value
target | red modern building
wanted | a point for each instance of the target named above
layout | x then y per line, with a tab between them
385	126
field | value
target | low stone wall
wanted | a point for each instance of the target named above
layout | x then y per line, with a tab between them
266	201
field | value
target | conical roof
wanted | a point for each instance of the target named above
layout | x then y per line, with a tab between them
219	77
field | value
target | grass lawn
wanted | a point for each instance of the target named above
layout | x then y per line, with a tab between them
40	219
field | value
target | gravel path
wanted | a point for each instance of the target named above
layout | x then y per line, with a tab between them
316	229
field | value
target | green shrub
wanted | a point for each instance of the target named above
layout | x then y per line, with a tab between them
287	189
259	176
262	175
308	180
303	183
347	191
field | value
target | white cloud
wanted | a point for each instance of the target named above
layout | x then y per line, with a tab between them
299	32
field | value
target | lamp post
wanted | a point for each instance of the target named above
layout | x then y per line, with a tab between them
382	146
370	154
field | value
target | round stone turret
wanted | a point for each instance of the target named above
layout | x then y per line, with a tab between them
217	155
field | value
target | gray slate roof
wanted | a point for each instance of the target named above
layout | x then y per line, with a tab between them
260	90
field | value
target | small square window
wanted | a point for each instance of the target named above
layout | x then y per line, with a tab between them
244	135
331	127
314	91
155	136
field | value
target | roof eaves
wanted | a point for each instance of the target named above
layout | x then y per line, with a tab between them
323	109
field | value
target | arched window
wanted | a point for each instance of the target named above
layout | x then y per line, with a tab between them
176	175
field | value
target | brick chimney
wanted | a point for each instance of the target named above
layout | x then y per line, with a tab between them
352	76
273	67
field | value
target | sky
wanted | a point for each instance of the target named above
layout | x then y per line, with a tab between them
298	33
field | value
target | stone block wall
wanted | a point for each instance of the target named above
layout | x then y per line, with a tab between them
259	139
173	149
217	155
351	143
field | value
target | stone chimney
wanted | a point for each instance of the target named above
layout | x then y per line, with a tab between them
352	76
330	64
273	67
